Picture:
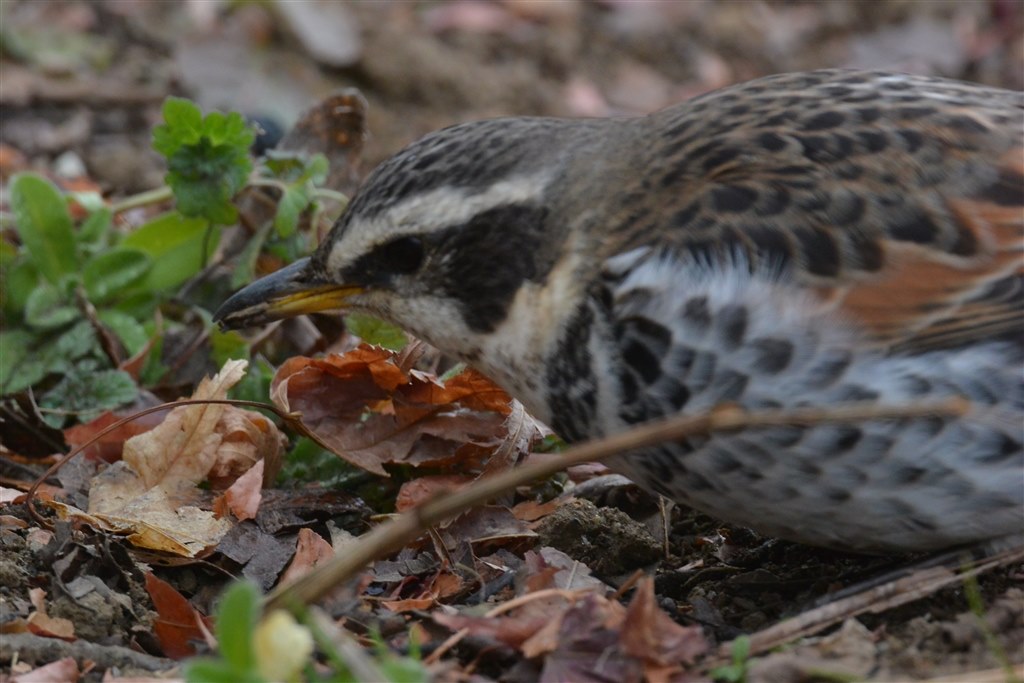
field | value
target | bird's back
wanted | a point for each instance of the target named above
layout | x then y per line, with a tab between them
898	199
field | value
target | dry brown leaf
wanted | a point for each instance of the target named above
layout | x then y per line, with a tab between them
489	526
552	568
511	629
243	497
64	670
651	635
177	625
364	407
165	517
42	624
152	494
409	604
446	584
531	510
418	490
109	446
587	644
184	446
247	438
9	495
310	550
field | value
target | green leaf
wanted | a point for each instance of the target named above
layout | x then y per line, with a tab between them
182	123
15	347
44	225
8	254
301	173
96	227
46	309
318	168
290	206
19	281
210	670
403	670
207	158
109	272
129	330
255	385
28	359
309	461
237	615
245	264
741	649
177	245
154	370
375	331
87	392
227	345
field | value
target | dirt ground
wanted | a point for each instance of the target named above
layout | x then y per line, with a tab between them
91	102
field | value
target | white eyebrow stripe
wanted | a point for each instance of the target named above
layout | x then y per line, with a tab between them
457	205
443	207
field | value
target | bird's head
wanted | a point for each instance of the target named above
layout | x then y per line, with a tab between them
445	239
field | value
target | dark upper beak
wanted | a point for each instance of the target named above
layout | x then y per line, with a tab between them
293	290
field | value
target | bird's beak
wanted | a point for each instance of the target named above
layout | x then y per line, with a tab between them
293	290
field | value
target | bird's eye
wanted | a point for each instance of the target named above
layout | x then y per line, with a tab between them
403	255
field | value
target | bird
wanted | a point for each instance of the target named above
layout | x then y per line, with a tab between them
803	239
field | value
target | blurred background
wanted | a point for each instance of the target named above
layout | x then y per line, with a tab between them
82	82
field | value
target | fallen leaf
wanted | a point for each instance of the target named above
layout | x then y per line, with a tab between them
421	489
165	518
369	411
177	623
183	448
532	510
64	670
247	438
408	605
109	446
152	495
489	526
649	634
243	497
552	568
42	624
310	550
9	495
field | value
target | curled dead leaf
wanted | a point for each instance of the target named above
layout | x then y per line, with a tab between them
363	406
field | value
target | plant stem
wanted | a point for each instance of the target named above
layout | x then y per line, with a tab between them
142	199
327	193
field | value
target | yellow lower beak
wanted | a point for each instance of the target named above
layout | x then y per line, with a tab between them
291	291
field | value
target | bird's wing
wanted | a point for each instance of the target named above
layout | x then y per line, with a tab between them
906	220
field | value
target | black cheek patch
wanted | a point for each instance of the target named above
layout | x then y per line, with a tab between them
488	259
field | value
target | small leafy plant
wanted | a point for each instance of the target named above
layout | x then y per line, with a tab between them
81	292
276	647
735	672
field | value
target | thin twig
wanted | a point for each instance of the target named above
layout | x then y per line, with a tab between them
405	528
879	599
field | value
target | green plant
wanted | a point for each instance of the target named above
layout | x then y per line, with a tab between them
278	648
236	621
80	298
735	672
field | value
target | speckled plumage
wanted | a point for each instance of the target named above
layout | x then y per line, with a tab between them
802	239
